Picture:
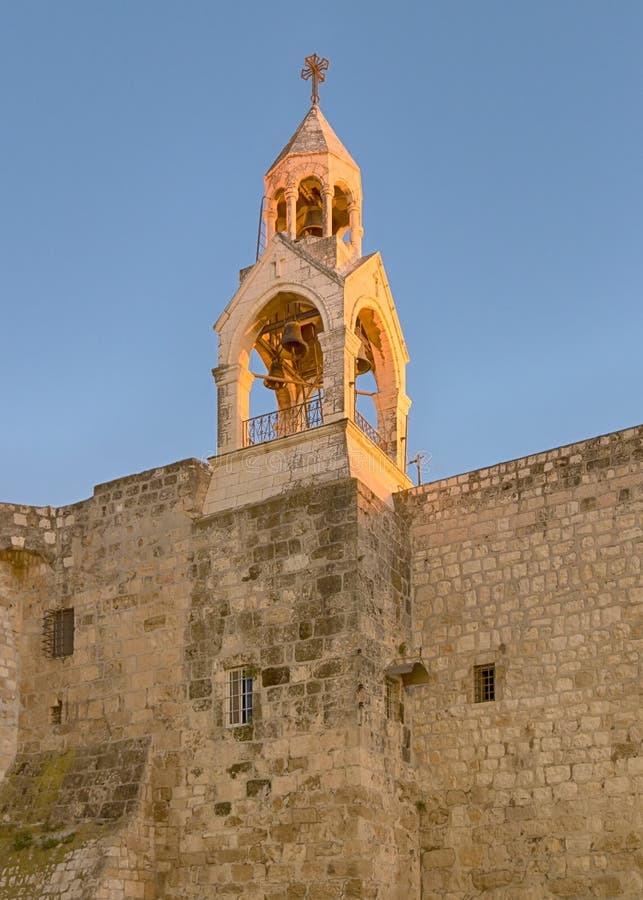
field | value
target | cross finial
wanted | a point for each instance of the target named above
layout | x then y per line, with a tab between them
315	68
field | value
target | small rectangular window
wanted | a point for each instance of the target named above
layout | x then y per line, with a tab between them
239	697
393	701
56	713
58	632
484	683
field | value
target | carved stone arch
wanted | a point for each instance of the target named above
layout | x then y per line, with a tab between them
260	327
381	333
343	201
276	212
373	323
25	558
343	185
244	336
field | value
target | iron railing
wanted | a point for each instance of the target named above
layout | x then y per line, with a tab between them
369	431
282	422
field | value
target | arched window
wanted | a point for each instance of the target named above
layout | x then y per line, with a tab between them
287	364
279	202
340	219
310	209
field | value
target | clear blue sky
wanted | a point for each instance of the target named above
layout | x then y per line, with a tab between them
501	152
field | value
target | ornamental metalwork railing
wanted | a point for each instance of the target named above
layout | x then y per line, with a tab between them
369	431
282	422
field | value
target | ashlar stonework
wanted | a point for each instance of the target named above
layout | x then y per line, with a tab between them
288	673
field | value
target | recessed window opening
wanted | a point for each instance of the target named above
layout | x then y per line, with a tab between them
63	632
56	713
484	683
393	700
239	697
58	632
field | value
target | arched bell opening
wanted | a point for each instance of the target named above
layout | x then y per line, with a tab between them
377	388
285	363
310	209
341	202
280	212
365	393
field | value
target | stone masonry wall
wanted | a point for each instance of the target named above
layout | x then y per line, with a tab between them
281	807
63	809
387	776
119	560
310	591
9	602
534	565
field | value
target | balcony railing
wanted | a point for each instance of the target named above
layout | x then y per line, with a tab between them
282	422
369	431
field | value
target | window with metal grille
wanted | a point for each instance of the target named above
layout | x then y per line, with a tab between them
58	632
484	683
56	713
239	697
393	700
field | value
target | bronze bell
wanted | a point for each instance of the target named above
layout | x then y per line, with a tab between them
313	223
292	342
362	362
274	379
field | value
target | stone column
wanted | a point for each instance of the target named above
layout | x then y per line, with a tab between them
355	221
233	405
328	211
392	407
339	347
291	211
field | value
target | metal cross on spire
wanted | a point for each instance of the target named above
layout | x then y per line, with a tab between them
315	68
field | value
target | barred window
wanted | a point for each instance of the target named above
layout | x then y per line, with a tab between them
393	700
58	632
239	697
484	683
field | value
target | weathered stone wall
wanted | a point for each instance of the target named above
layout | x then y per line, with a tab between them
25	568
289	805
310	590
119	559
9	603
60	811
534	565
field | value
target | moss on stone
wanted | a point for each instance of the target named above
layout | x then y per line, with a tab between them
34	863
30	789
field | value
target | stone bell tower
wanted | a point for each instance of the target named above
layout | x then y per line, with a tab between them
309	318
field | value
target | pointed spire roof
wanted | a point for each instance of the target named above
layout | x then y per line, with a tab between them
314	135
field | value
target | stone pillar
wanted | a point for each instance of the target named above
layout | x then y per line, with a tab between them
233	405
355	221
392	407
339	347
291	211
328	211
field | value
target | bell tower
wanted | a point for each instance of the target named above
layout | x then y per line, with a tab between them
310	317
